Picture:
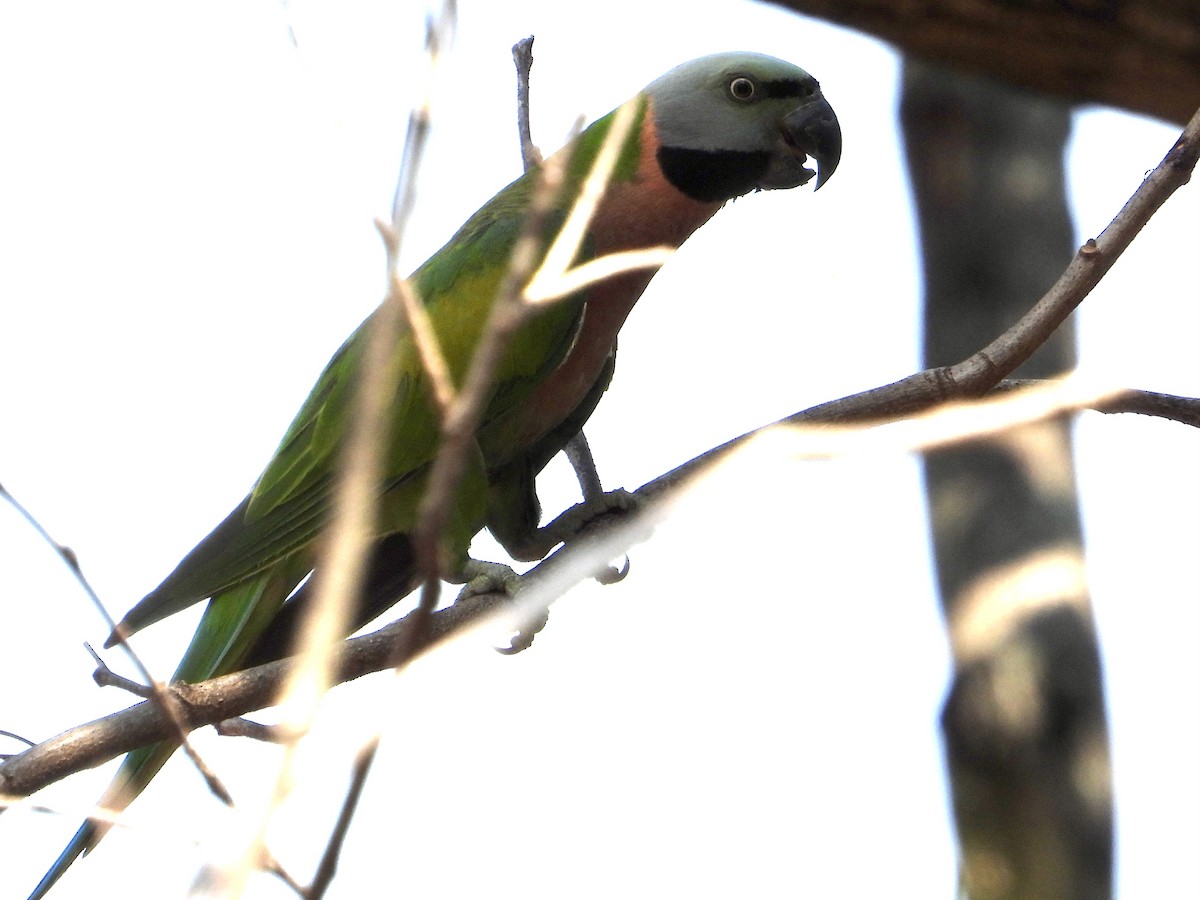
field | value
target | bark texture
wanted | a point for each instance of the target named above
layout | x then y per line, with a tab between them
1140	55
1026	736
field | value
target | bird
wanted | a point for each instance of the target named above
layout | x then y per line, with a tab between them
706	132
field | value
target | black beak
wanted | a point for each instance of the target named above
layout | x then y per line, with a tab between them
814	129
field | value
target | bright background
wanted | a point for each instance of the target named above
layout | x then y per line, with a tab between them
186	207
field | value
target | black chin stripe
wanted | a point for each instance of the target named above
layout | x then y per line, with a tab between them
713	175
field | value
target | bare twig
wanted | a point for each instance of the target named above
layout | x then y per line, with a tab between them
333	849
1174	408
522	52
556	277
433	361
106	677
981	372
578	452
459	425
601	539
158	694
256	731
15	737
526	284
1185	410
239	693
355	497
226	697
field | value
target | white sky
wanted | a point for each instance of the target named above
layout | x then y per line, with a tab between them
186	217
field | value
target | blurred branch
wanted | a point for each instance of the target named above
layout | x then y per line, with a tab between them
1142	55
578	452
532	279
1174	408
339	575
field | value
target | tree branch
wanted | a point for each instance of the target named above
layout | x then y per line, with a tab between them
159	695
233	695
1142	55
983	371
606	536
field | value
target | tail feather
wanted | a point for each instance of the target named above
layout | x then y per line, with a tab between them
229	625
83	840
139	767
391	575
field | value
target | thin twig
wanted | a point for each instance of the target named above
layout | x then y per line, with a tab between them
225	697
556	277
600	540
982	371
1172	407
15	737
522	52
106	677
433	361
578	452
242	692
255	731
1185	410
584	275
159	694
333	848
339	575
458	429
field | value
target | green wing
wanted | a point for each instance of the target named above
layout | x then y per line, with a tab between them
263	550
289	504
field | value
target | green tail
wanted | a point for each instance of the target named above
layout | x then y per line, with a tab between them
230	626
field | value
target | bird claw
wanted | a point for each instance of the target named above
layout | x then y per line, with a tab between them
618	499
480	577
611	574
522	637
492	578
581	515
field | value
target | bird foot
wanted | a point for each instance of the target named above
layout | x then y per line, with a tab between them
571	522
490	578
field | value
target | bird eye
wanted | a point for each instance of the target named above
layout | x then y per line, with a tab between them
741	88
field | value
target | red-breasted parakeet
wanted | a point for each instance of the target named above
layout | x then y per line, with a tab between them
706	132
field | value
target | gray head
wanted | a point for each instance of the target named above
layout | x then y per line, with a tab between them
731	123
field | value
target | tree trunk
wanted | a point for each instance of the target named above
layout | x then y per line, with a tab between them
1026	737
